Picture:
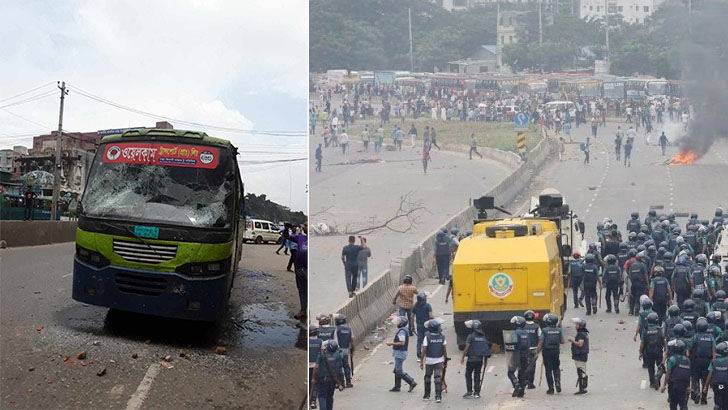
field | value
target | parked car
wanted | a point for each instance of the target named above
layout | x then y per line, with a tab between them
261	231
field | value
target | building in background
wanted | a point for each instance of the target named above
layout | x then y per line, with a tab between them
483	60
506	32
558	6
632	11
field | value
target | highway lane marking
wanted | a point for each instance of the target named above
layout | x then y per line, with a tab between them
436	290
643	385
67	275
490	369
141	393
364	361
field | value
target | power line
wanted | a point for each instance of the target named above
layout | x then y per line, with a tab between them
273	161
30	99
27	92
26	119
196	124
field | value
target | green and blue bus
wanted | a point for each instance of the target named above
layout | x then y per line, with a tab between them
160	225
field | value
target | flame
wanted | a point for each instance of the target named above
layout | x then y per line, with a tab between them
684	157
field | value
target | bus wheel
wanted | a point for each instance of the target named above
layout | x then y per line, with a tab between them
259	240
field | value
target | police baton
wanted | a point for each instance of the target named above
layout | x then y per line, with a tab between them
482	377
600	295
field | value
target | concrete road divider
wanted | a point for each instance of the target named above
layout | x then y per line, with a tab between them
374	303
32	233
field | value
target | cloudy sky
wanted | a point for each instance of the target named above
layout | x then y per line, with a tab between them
229	63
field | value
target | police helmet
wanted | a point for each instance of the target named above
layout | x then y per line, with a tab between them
580	322
649	242
632	253
703	229
312	330
711	317
719	212
667	256
332	345
324	320
592	246
644	229
664	244
716	258
688	304
646	304
623	246
407	279
720	294
679	330
652	212
421	296
661	250
400	321
693	215
715	271
518	321
641	248
688	326
600	226
679	240
701	325
676	346
454	231
473	324
697	293
433	325
443	230
635	215
652	318
658	270
722	349
641	255
641	237
673	310
589	258
441	235
651	249
701	259
611	259
529	315
633	235
339	319
551	319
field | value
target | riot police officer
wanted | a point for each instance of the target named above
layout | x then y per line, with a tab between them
653	341
701	304
549	344
702	353
660	292
443	252
328	374
633	225
580	353
345	337
533	329
677	379
434	354
687	313
477	350
714	328
642	316
699	272
325	330
718	377
672	320
615	283
314	351
721	306
637	272
591	279
399	352
576	275
668	265
681	282
521	355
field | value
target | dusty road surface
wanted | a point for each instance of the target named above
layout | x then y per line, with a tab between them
42	332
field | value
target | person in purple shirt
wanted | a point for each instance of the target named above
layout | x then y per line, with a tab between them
301	266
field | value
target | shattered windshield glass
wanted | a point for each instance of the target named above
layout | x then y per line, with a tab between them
180	195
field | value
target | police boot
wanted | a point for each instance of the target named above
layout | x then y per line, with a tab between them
551	388
397	383
409	380
557	381
426	396
513	379
704	398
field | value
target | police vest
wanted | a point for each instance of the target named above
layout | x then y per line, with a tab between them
551	338
442	248
333	362
314	349
343	335
658	235
671	243
721	307
724	282
669	268
326	332
421	313
700	308
653	339
590	274
681	278
435	344
532	329
478	346
689	316
699	274
690	239
612	274
577	271
642	322
720	372
703	345
611	247
636	275
399	339
522	341
670	323
633	226
580	353
622	259
660	289
681	372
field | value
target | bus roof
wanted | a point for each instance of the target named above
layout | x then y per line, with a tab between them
172	134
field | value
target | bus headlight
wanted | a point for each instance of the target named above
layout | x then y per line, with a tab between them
205	268
91	257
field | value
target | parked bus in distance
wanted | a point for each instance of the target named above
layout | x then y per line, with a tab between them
160	225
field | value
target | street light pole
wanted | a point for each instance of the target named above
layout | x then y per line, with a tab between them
59	149
412	60
606	14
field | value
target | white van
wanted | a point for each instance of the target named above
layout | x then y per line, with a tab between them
561	105
261	231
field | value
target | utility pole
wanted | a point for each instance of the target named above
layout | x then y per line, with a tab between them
690	16
606	27
540	25
59	149
412	60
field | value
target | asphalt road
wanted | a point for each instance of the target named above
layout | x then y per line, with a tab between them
40	325
616	378
363	189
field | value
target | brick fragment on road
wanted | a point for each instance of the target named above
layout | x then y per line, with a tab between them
101	371
81	355
134	355
221	350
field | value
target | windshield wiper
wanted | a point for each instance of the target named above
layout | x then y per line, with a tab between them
135	235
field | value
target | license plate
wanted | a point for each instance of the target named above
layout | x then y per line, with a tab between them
146	232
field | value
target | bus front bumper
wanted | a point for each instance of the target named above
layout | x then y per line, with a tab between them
165	294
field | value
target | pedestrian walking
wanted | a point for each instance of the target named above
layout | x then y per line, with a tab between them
314	351
562	149
362	262
474	146
426	158
301	267
406	294
422	312
378	139
29	198
580	353
628	154
319	158
284	241
365	138
533	329
549	345
413	135
663	142
618	142
718	377
293	247
344	141
477	351
433	138
399	346
585	150
350	258
594	126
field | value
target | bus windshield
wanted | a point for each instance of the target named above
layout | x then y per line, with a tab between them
164	183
